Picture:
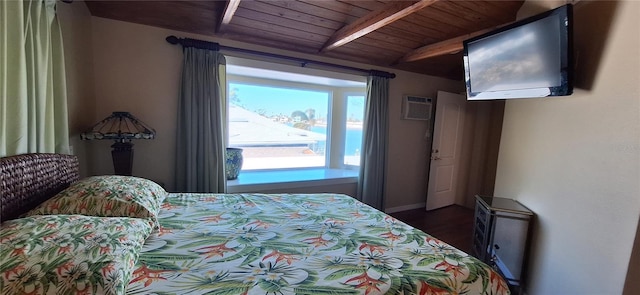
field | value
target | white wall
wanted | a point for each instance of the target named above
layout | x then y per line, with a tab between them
575	160
75	23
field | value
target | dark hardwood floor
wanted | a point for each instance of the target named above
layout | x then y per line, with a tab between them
452	224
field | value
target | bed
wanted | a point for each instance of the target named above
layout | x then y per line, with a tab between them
187	243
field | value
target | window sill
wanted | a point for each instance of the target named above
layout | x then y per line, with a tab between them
284	179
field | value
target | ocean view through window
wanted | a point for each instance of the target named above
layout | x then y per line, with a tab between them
288	124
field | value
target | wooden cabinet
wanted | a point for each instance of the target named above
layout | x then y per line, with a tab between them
501	235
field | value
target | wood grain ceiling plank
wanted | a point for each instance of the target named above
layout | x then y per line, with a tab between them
164	14
509	7
453	19
314	10
464	12
277	30
375	47
291	14
229	10
342	7
208	5
419	35
288	23
449	46
416	26
264	38
436	19
271	39
374	20
368	6
484	12
396	40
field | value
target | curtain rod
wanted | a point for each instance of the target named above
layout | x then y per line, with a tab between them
201	44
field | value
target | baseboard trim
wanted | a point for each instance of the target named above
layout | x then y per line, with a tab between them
404	208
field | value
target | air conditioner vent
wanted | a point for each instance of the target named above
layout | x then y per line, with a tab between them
416	108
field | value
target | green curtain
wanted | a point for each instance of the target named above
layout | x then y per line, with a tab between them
200	152
374	143
33	106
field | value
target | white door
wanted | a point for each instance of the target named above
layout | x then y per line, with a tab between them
446	150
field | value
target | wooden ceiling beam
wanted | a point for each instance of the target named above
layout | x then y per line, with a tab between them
449	46
374	20
229	10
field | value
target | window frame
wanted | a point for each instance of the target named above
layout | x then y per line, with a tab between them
336	111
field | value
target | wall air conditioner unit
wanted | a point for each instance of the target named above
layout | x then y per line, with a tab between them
416	108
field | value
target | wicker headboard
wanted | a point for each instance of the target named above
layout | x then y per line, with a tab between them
30	179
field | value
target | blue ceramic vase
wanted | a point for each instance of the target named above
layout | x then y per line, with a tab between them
234	163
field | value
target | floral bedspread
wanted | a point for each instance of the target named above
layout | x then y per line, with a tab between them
298	244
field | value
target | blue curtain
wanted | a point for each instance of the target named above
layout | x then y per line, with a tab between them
200	150
374	143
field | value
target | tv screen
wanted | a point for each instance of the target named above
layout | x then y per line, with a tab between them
529	58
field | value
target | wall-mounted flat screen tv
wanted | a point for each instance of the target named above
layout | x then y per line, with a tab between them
529	58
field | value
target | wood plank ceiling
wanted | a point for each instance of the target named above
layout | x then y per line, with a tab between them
419	36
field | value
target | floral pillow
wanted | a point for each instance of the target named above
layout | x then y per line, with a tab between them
109	195
69	254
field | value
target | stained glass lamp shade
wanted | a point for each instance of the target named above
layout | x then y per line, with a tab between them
121	127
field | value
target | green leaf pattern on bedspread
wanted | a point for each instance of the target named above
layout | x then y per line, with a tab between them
69	254
298	244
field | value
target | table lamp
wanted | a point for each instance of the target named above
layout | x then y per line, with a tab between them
121	127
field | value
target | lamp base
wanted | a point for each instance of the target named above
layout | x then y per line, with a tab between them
122	154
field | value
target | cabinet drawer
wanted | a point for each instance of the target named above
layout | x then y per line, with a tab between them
481	227
481	214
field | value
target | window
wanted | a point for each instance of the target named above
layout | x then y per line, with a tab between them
285	120
353	138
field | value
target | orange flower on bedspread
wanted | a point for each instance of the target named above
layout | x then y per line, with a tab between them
501	287
289	258
391	236
49	237
216	250
357	214
390	219
16	270
83	206
214	218
448	267
65	267
133	208
372	248
19	251
209	199
163	231
295	215
108	207
148	275
168	206
316	242
107	269
106	249
365	281
54	206
426	289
